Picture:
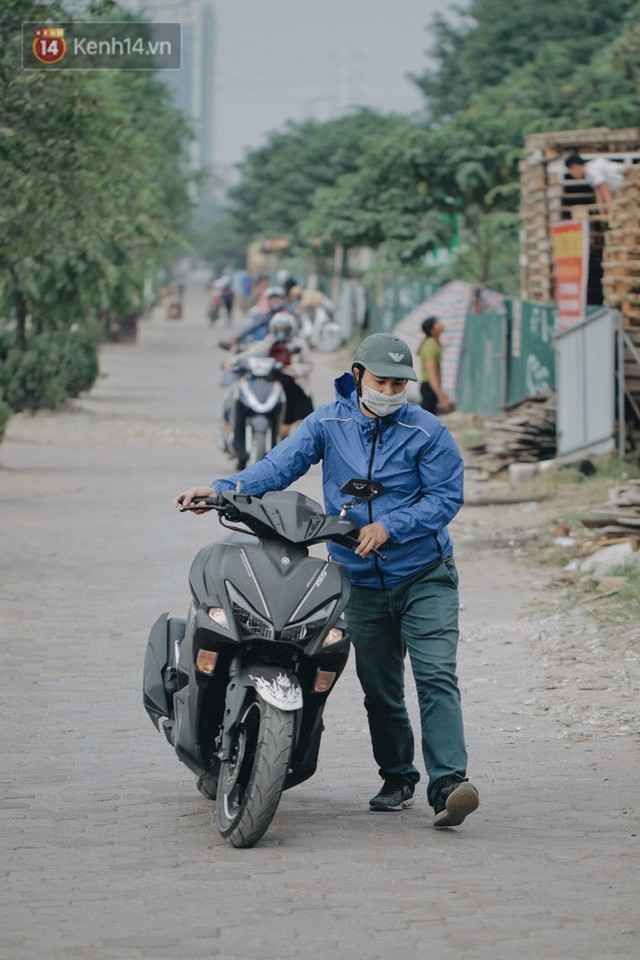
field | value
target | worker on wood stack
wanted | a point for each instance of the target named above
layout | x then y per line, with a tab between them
603	175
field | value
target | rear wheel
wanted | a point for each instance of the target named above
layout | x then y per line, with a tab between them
251	782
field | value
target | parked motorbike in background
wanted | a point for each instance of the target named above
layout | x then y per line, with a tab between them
320	329
239	686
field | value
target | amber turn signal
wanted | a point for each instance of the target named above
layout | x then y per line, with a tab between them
324	681
206	661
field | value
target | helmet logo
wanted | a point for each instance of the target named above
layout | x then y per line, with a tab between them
397	357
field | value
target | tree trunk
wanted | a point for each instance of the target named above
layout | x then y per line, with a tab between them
20	304
486	240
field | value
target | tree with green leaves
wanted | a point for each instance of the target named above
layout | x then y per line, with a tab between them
503	69
93	195
92	181
278	180
489	40
394	201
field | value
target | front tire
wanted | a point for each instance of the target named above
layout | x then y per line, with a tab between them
252	781
258	447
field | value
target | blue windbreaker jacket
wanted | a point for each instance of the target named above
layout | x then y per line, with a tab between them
410	453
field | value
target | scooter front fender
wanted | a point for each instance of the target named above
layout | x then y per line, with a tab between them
278	687
274	685
259	423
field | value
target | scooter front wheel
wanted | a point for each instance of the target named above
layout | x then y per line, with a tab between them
252	780
258	447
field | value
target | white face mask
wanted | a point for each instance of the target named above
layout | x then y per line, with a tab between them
382	405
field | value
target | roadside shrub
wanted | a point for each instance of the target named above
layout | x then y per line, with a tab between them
56	365
29	382
79	362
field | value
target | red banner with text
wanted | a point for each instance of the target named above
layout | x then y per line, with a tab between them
570	252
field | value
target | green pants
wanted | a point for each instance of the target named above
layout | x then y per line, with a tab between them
418	616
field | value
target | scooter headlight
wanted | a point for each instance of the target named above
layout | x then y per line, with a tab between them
260	366
334	635
251	622
311	626
218	616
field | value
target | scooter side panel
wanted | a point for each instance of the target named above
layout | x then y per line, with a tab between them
187	706
159	664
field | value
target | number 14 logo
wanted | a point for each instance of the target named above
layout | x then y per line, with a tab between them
49	44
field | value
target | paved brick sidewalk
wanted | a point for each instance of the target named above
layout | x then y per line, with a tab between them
107	849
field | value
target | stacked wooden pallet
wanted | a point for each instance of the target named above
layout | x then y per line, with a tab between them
621	259
544	195
620	518
526	434
541	196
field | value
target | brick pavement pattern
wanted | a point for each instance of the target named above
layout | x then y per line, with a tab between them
108	851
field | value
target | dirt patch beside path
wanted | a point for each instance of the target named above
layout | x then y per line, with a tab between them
585	642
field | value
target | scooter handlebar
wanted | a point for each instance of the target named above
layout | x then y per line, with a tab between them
204	503
352	541
223	505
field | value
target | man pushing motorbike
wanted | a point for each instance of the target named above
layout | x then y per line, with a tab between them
408	601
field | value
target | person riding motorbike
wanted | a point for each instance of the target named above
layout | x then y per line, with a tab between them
286	281
283	344
258	326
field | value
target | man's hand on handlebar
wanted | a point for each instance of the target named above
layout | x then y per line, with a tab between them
370	538
191	497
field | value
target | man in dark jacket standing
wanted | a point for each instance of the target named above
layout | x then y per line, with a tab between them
407	603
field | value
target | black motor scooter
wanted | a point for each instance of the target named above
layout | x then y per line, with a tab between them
239	687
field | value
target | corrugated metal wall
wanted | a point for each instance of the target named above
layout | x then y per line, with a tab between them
586	386
389	302
492	358
506	357
531	356
481	375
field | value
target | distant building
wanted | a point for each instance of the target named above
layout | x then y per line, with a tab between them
192	86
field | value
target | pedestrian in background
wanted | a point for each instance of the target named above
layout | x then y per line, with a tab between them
227	297
259	300
434	399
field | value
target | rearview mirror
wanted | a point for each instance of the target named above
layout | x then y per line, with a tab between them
361	490
364	490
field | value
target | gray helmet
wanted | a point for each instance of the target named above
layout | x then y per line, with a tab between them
283	325
384	355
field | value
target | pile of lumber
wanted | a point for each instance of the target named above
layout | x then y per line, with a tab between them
619	519
621	287
526	434
621	258
541	192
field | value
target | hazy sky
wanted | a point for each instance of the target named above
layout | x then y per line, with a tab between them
291	59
